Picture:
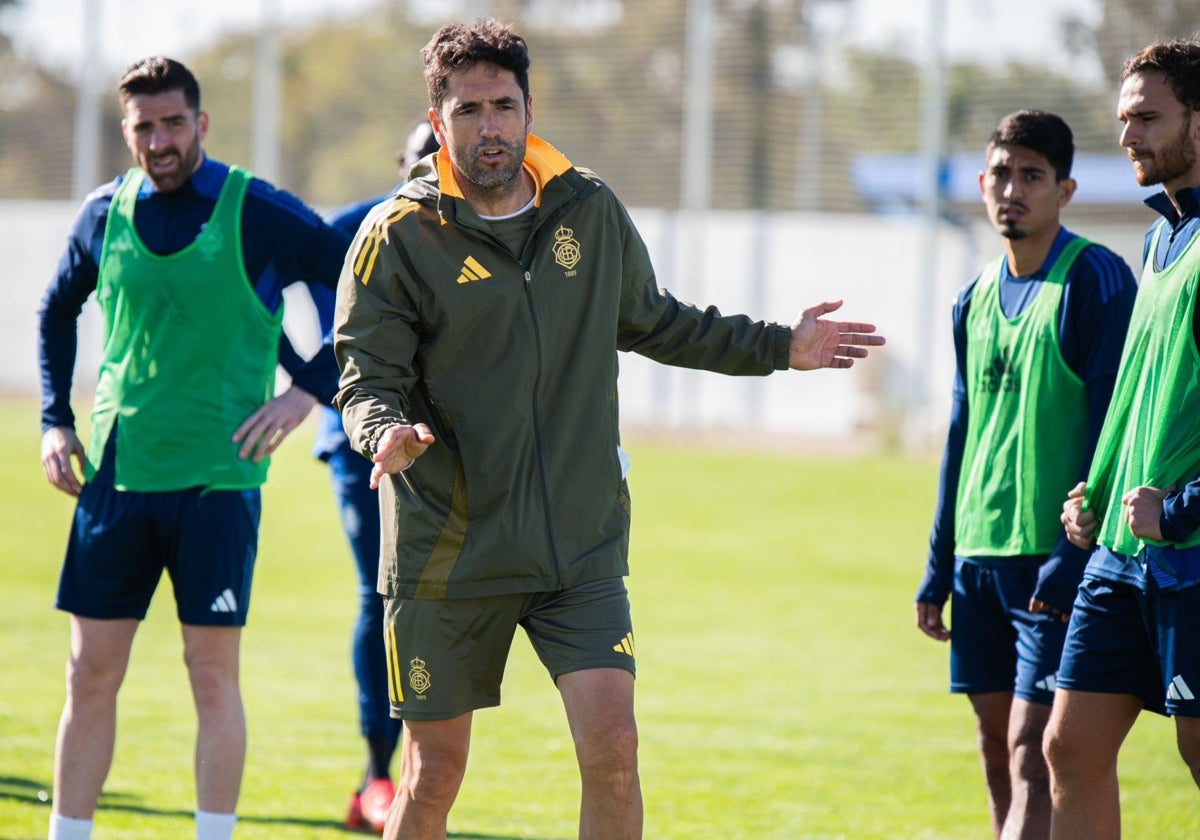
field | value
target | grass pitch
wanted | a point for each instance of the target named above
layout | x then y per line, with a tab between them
783	691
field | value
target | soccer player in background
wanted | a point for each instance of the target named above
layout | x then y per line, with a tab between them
185	255
478	322
1134	638
1037	340
358	509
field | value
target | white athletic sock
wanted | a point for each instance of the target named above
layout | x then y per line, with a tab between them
211	826
65	828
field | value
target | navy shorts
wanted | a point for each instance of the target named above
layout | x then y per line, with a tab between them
121	542
996	643
1123	640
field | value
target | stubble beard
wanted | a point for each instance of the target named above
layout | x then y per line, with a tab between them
1171	162
187	165
492	182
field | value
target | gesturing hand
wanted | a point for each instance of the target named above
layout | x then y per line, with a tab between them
397	448
817	343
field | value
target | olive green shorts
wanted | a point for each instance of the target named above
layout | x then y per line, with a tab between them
447	657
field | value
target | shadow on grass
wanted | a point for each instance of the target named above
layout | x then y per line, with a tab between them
34	792
25	790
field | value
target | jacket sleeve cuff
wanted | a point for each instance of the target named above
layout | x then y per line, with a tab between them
372	439
783	346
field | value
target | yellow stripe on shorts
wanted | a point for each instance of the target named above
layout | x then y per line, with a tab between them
395	686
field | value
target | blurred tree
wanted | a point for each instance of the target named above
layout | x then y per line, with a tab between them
611	98
972	117
749	105
37	107
791	108
886	92
880	108
1125	27
349	92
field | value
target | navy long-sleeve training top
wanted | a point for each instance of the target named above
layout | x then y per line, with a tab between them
1098	296
330	434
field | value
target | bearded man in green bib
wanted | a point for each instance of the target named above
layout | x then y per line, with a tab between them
187	258
1037	338
1132	643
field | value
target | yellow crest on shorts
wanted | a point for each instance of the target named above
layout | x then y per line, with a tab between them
418	677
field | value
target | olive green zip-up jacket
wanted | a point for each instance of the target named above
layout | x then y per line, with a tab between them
511	361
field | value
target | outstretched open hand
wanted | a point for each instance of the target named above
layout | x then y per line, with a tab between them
397	448
817	343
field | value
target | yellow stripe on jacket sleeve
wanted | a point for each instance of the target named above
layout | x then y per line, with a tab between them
377	235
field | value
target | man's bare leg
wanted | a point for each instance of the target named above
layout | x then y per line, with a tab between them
212	658
87	730
1029	811
1187	736
1083	738
433	763
992	717
599	704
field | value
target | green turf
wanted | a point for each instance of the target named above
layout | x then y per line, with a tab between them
783	690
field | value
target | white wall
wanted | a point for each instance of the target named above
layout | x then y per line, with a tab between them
770	266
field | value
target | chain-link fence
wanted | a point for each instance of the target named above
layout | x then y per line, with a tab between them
801	114
802	141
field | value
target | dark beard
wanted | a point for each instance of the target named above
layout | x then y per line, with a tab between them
187	165
495	182
1173	161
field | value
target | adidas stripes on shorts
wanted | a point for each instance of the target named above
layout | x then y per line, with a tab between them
1123	640
996	643
446	657
122	541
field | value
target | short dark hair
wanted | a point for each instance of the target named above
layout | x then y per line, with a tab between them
159	74
1045	133
460	46
1178	60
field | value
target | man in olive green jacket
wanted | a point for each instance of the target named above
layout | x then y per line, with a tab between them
477	325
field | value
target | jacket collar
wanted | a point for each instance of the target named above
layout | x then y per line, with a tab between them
1188	201
548	166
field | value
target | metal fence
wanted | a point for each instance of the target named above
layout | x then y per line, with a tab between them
759	144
